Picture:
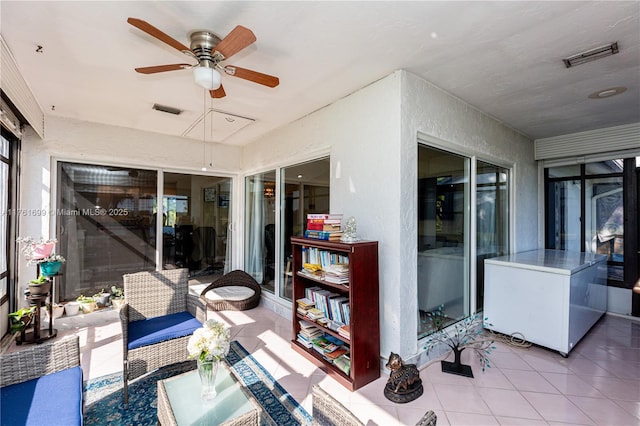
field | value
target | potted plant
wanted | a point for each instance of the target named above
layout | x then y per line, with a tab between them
102	298
51	264
72	308
117	296
465	334
21	318
57	310
40	286
87	303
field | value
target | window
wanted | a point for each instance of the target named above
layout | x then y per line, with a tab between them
585	211
5	183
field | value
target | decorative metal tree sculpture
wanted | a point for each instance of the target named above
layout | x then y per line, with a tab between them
465	334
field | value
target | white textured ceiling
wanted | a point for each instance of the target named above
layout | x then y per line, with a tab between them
504	58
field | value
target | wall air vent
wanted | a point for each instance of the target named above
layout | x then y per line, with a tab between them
591	55
167	109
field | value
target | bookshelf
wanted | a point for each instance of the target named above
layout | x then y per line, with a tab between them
362	299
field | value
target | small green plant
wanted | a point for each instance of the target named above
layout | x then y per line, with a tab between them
85	299
21	318
40	280
117	292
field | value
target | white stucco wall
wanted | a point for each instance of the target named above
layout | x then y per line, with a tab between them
372	136
80	141
429	113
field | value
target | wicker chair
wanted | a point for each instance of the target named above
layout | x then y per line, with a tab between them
327	411
158	317
56	366
233	278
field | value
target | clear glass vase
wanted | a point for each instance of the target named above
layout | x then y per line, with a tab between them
208	369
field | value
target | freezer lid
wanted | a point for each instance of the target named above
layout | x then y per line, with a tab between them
555	261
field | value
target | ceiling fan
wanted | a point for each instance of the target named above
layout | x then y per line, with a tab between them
209	51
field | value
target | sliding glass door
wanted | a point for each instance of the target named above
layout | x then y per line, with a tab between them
195	219
445	243
492	219
105	225
443	235
304	190
274	214
109	223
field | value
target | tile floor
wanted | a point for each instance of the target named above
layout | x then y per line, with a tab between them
598	384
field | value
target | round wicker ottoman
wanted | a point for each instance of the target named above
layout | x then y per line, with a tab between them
235	291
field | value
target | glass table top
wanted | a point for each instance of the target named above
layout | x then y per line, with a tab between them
189	408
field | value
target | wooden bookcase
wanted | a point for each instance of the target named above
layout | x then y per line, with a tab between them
363	294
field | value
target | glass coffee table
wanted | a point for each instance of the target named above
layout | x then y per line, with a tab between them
180	403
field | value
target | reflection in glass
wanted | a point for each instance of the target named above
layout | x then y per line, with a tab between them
260	221
195	220
605	222
304	190
492	223
104	225
443	237
563	215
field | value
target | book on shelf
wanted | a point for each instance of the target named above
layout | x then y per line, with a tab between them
344	331
314	314
343	362
335	354
305	303
325	217
323	235
322	226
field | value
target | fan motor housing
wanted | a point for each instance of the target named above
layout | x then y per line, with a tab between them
203	43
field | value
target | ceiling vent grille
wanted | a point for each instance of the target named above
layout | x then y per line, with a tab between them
591	55
167	109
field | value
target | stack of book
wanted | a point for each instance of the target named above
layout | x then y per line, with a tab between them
337	273
315	314
324	226
308	332
304	305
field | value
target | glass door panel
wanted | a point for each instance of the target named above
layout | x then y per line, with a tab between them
304	190
195	220
260	219
604	222
563	215
492	219
443	240
104	225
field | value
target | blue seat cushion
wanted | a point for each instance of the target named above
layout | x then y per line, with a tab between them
158	329
54	399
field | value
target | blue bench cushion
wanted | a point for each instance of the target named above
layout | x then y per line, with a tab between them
159	329
54	399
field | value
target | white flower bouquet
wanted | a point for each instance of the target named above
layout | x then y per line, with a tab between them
210	342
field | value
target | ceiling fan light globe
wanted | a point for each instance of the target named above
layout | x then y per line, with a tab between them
208	78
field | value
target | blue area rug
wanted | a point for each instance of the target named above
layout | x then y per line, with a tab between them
103	397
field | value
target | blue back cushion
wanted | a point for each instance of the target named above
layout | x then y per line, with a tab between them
54	399
159	329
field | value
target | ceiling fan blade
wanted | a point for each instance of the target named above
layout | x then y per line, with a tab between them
218	93
239	38
162	68
154	32
255	76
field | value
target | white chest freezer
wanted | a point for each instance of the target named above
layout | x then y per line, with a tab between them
551	297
